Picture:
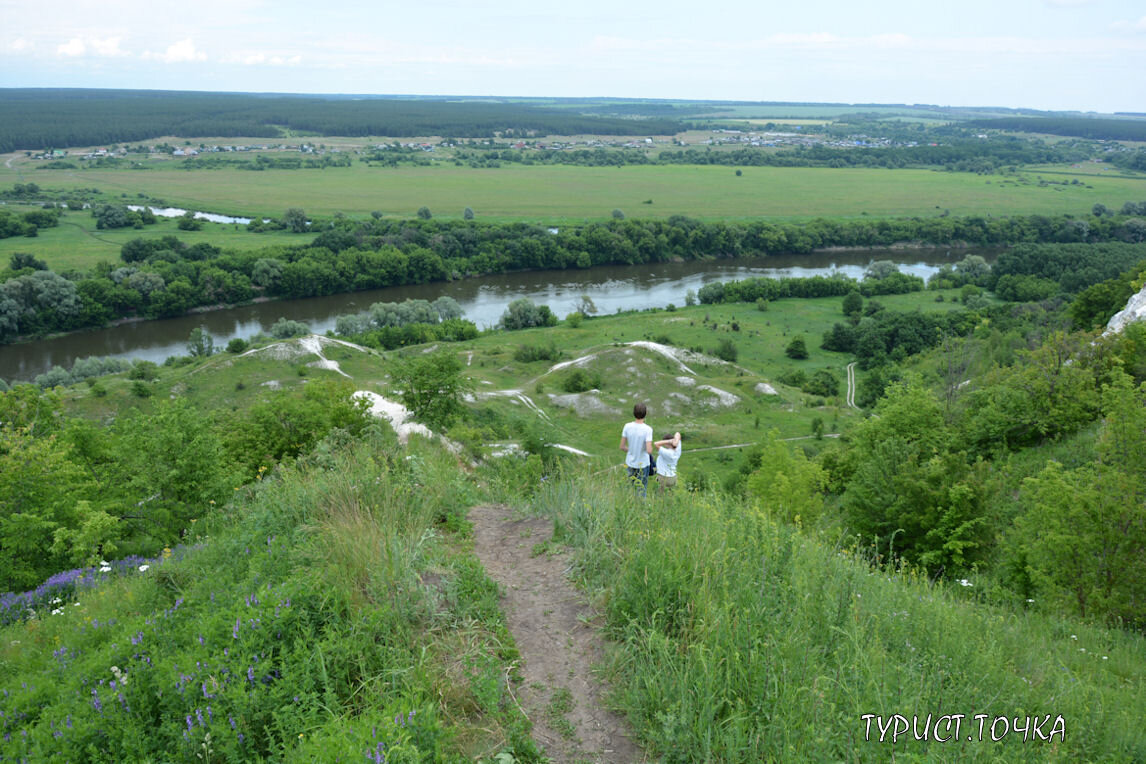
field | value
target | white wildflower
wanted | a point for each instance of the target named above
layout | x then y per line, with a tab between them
143	568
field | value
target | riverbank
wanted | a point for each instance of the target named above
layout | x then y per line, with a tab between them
483	299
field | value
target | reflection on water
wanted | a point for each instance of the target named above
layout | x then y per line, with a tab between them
612	288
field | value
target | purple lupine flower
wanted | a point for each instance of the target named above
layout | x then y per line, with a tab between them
199	716
240	737
210	718
190	725
201	640
95	701
235	631
250	674
231	719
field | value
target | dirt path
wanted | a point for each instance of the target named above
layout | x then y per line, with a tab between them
851	398
558	645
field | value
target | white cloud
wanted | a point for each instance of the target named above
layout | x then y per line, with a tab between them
108	47
19	45
179	52
74	47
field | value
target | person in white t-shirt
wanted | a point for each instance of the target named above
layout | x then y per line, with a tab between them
668	455
637	443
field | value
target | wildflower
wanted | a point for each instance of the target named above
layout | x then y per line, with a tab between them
143	568
250	674
1074	636
965	582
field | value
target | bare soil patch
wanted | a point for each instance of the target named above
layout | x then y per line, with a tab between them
559	645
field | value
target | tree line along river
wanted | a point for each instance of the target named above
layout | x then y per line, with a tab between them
612	288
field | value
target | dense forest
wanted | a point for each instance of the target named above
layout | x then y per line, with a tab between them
40	119
1081	127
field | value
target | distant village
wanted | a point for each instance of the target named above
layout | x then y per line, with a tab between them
716	137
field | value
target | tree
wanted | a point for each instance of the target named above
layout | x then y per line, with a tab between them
973	269
880	269
853	303
585	305
468	213
432	387
1085	528
797	349
200	344
424	213
267	272
618	214
786	485
522	313
20	260
188	222
690	298
295	220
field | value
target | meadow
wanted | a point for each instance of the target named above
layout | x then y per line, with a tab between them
555	194
77	243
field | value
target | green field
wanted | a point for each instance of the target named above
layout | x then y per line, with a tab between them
77	243
571	193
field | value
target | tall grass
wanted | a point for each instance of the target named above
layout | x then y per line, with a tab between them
745	640
321	617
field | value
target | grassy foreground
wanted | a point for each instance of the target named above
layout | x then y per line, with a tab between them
744	640
328	615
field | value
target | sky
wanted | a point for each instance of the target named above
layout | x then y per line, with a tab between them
1084	55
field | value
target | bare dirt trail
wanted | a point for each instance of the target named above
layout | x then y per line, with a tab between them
559	646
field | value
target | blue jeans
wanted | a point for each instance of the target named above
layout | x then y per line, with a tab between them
640	478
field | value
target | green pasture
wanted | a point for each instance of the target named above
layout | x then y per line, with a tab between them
77	243
573	193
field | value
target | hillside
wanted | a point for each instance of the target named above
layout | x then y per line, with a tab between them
298	578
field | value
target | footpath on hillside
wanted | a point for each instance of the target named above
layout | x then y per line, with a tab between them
559	646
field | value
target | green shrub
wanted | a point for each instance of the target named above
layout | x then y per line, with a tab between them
580	381
726	351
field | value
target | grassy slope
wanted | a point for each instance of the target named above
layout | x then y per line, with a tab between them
742	641
325	603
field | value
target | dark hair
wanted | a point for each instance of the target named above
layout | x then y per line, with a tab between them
639	411
667	436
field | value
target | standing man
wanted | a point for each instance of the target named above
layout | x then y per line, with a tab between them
637	443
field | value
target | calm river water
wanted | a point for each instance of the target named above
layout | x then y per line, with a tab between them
613	288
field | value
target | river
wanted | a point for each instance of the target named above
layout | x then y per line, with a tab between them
612	288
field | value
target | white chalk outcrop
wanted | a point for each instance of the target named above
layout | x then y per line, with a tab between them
398	415
1134	311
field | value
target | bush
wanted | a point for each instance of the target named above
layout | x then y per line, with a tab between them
531	353
581	381
285	328
141	389
144	371
797	349
726	351
237	345
822	383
